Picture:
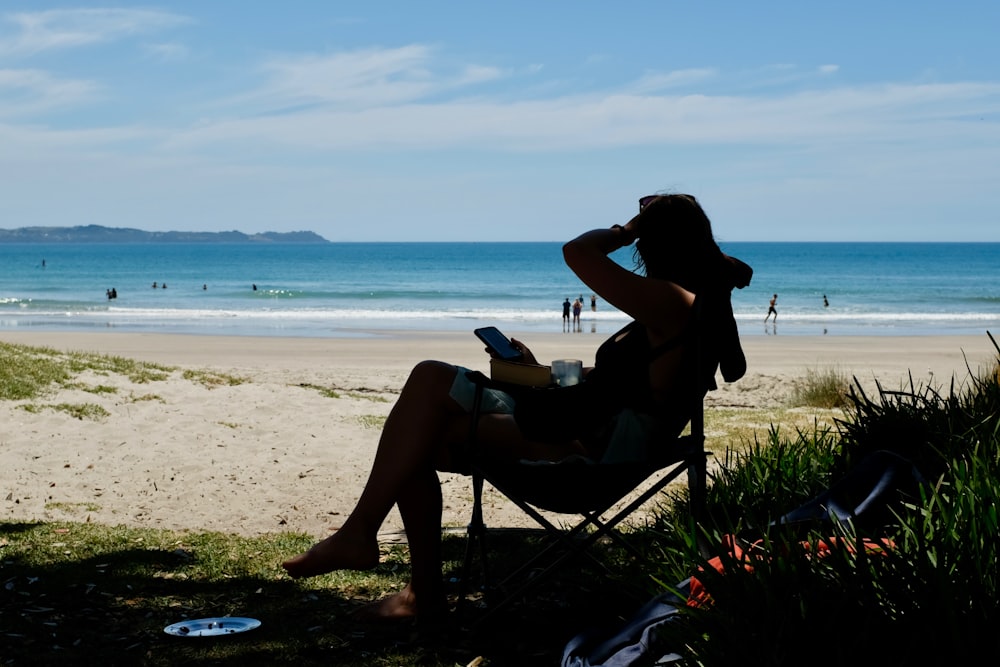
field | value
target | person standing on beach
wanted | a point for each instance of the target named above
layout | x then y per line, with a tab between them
566	307
826	304
577	307
427	429
771	310
593	303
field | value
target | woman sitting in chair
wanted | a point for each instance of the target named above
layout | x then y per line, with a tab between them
677	257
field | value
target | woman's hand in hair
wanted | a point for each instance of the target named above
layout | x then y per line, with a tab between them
630	231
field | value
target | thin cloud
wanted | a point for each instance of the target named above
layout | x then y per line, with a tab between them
42	140
362	79
473	74
657	81
383	111
30	91
407	98
777	76
56	29
167	52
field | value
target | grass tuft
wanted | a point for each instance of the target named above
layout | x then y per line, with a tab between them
372	422
822	388
211	379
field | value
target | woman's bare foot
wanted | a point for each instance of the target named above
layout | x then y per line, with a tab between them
398	606
337	552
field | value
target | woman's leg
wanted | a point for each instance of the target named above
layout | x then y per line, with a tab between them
420	508
415	437
403	466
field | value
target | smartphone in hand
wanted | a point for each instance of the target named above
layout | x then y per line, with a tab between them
498	344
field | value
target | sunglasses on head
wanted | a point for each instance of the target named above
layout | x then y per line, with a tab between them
645	201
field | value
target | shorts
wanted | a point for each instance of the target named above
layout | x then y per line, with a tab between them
463	392
625	439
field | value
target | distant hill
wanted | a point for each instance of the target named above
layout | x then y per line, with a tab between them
99	234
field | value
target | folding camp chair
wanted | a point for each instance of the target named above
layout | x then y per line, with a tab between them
579	487
591	489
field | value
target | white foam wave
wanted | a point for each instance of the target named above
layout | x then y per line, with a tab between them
510	315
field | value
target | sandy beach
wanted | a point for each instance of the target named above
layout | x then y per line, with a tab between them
289	448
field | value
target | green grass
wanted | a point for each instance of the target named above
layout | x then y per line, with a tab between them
82	594
90	411
145	397
213	379
327	392
367	396
28	372
333	392
372	422
139	372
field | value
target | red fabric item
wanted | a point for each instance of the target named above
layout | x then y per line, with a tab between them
699	595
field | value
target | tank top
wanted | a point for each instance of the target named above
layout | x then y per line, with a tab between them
622	368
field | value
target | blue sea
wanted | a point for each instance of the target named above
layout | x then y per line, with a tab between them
355	289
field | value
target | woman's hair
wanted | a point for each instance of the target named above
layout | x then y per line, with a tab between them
675	243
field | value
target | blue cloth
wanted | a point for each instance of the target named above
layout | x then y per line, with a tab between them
635	643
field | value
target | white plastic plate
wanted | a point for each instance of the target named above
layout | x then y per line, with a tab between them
212	627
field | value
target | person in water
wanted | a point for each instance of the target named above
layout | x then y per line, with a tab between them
640	368
772	309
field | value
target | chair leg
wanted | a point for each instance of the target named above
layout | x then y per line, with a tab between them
697	483
575	542
698	494
476	531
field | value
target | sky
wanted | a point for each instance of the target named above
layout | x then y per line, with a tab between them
790	120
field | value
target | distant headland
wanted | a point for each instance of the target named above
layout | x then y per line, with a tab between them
99	234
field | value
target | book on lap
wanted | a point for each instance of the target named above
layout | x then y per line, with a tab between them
531	375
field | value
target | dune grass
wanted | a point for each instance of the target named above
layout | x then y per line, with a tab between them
30	374
822	388
931	596
81	594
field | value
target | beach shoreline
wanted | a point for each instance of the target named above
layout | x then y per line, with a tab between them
289	447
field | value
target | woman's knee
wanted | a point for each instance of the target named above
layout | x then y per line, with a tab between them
430	375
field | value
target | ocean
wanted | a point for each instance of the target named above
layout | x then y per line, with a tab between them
357	289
